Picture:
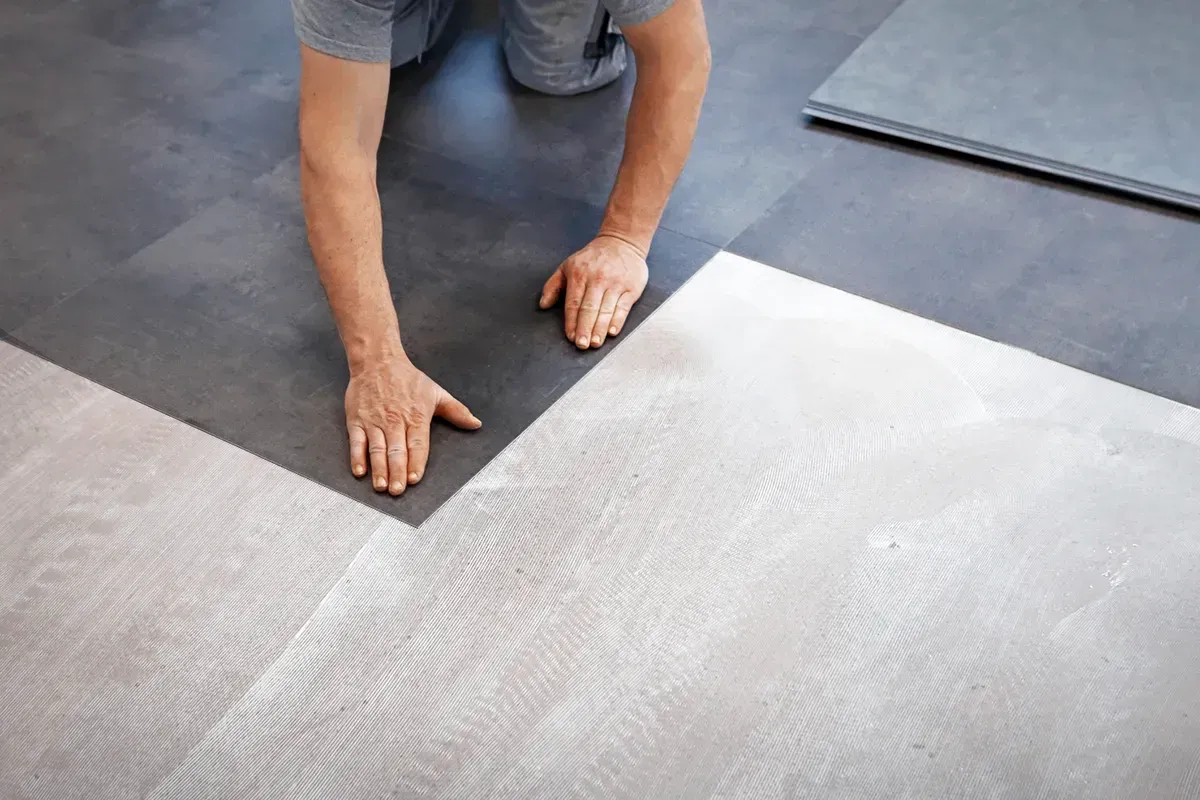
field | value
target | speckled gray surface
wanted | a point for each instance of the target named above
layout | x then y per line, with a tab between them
1104	91
783	542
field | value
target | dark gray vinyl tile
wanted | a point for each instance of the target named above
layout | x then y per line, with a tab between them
73	207
105	150
57	77
855	17
14	13
81	71
751	146
223	322
208	35
1089	280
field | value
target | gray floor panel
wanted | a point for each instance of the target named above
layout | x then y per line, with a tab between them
149	573
1103	91
1101	284
784	542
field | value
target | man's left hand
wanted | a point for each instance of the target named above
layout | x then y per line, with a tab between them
601	282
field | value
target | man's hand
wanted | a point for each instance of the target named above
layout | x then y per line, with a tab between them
602	282
390	406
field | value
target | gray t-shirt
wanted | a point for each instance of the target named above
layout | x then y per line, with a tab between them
396	31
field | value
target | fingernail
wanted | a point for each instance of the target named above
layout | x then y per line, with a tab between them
380	483
612	331
596	340
583	342
360	470
397	487
413	477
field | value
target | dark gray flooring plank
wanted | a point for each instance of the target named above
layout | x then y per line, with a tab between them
853	17
106	149
243	37
223	323
752	142
1085	279
1099	90
72	209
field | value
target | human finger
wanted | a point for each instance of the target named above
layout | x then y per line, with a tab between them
397	459
358	450
608	307
621	314
552	289
377	452
418	449
589	309
575	289
454	412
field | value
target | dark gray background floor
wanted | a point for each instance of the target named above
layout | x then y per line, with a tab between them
152	239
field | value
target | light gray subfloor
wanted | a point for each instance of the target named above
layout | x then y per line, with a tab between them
782	542
149	573
1103	91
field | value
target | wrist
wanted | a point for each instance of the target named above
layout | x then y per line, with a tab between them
640	243
365	352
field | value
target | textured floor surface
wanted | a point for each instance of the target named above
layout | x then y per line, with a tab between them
783	542
780	542
1099	90
149	573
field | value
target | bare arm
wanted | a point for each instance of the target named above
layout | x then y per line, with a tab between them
673	62
342	105
390	404
604	279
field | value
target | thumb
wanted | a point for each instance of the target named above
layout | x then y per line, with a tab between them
553	289
455	412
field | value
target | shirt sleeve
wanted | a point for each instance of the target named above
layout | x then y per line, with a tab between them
627	13
355	30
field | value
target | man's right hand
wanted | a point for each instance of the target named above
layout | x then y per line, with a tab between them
390	405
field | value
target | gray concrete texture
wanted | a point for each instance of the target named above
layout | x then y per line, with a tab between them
149	573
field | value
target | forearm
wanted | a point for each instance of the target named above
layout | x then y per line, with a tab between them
341	207
658	137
